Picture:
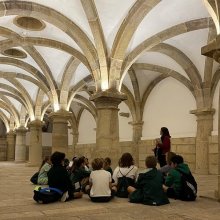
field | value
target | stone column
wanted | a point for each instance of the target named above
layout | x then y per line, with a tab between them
107	131
60	131
213	50
137	134
35	148
204	129
75	141
11	146
20	146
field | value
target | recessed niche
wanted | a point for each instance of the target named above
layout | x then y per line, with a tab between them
29	23
15	53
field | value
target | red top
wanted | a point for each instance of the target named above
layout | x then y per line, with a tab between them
165	146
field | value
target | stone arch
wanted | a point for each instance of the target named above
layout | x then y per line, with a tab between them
25	95
25	66
213	8
66	79
23	117
87	104
15	96
182	60
160	37
13	112
130	23
166	72
214	83
38	41
5	120
46	70
38	104
76	88
58	20
8	75
130	102
97	31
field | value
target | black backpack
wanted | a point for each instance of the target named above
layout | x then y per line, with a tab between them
123	183
47	195
34	178
189	187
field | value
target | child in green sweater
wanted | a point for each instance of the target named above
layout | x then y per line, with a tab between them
148	188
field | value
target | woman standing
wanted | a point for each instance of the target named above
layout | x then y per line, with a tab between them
162	146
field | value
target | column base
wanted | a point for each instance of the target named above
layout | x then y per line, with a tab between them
28	164
20	161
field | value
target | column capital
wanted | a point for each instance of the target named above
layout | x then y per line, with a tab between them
110	98
203	111
61	114
212	49
21	129
11	133
35	123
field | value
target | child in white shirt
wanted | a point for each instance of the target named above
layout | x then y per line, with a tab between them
100	183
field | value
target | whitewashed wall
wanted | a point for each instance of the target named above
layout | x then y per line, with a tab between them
168	106
87	124
125	129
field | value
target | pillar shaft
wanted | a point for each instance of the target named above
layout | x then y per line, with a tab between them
137	134
218	192
213	50
20	146
204	129
10	146
107	131
35	148
75	141
60	131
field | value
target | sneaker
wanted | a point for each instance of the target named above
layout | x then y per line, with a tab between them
64	197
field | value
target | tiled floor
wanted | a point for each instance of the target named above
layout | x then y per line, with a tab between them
16	202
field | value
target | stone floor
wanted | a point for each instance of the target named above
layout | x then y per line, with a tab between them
16	202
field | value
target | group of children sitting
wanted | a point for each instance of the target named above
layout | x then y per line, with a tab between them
153	187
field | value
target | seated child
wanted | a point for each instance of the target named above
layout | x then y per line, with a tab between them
148	188
79	176
173	181
107	165
100	183
45	167
58	177
165	169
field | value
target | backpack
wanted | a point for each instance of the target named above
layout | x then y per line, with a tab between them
34	178
47	195
189	187
123	183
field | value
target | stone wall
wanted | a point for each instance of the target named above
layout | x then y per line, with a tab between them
3	148
213	155
182	146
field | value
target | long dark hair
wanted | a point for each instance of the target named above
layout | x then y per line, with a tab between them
165	132
126	160
45	160
77	163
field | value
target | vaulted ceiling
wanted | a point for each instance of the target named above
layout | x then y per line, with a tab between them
55	53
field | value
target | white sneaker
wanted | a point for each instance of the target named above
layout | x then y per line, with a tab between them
64	197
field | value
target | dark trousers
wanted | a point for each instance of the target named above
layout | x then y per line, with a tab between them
102	198
161	158
171	193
